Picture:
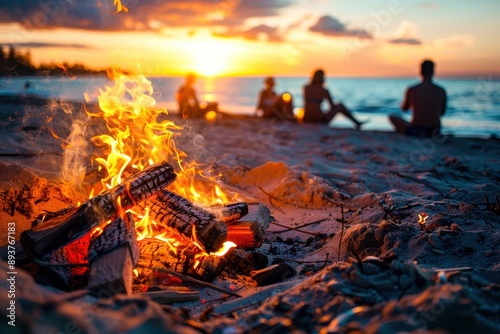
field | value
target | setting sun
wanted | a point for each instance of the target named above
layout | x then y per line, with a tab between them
210	63
209	57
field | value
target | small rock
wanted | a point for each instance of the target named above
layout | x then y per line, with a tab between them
438	251
434	240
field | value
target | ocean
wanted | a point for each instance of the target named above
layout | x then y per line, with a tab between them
473	104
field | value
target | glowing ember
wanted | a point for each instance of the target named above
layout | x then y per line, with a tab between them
422	217
119	6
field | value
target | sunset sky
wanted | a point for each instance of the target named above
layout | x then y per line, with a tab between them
244	37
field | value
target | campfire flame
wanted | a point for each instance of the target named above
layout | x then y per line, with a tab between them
140	134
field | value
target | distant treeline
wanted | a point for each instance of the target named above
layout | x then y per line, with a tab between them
14	63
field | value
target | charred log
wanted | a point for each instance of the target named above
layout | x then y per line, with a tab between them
176	212
183	257
50	232
113	254
250	231
229	213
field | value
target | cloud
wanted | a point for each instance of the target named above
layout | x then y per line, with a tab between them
406	41
406	34
260	32
142	14
455	42
330	26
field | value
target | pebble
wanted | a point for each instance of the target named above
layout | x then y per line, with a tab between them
434	240
438	251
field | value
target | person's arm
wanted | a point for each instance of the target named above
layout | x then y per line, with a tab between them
444	103
329	98
260	101
405	106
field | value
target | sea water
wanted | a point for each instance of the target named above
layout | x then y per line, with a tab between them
473	103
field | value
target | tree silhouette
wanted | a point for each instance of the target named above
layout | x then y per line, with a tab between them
15	63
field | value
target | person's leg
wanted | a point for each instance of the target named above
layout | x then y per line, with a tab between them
344	111
329	116
399	124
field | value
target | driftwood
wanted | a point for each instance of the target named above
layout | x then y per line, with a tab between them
53	231
173	211
113	254
181	256
250	231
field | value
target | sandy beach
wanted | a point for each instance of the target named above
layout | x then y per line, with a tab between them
379	269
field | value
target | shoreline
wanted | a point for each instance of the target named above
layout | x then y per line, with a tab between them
14	104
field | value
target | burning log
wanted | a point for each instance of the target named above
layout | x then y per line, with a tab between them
113	254
176	212
250	232
65	267
229	213
183	257
53	231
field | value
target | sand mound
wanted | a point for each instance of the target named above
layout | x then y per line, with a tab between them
290	186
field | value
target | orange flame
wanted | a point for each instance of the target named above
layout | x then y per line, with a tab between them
119	6
140	134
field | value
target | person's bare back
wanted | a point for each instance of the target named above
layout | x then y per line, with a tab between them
427	101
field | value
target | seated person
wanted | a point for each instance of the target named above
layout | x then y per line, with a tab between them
427	102
189	107
314	94
272	105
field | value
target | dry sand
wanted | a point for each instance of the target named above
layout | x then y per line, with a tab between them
302	172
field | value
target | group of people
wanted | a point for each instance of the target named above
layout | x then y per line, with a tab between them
427	101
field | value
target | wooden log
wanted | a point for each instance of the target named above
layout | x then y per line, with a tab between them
250	232
180	257
117	232
229	213
65	267
273	274
113	254
173	211
70	224
172	295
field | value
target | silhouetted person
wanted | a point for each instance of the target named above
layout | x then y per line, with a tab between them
427	102
186	98
314	94
272	105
